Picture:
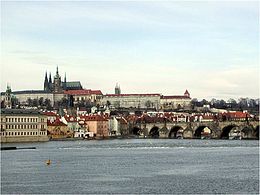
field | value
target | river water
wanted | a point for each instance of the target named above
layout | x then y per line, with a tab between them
132	166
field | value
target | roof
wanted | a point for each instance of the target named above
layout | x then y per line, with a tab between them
83	92
125	95
20	112
57	122
186	93
69	118
27	92
48	113
175	97
93	118
73	85
237	114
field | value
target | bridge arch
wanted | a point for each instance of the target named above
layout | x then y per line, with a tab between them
154	132
136	130
204	131
247	132
226	131
175	130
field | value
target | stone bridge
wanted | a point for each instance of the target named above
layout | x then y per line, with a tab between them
247	129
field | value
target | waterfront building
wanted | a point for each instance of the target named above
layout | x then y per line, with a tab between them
19	125
96	124
117	126
57	130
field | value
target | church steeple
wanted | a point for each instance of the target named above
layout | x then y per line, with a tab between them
50	79
46	83
57	71
65	82
8	100
117	89
57	84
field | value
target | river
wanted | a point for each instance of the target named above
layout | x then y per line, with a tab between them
132	166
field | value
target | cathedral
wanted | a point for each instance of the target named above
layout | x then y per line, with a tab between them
57	86
54	89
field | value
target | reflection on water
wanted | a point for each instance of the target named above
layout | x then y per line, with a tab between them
132	166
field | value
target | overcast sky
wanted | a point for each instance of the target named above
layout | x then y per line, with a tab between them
210	48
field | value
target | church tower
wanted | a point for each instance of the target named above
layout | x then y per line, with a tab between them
57	88
8	98
50	83
117	89
186	93
65	83
46	83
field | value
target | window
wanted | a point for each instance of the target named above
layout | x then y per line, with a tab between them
14	133
21	133
18	133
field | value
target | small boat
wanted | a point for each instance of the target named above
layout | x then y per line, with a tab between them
48	162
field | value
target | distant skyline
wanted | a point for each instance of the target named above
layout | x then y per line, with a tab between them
210	48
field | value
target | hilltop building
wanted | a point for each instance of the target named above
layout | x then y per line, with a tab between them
54	90
147	101
176	101
57	86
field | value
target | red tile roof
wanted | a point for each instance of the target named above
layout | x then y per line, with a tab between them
175	97
186	93
48	113
70	118
83	92
93	118
57	122
123	95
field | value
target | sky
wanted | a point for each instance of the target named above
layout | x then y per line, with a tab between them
210	48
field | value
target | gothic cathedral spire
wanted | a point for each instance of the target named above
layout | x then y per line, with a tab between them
46	83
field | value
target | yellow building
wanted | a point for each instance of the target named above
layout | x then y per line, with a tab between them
19	125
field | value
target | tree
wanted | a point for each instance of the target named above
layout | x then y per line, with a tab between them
63	102
2	104
35	103
108	103
47	104
29	101
194	103
148	104
41	101
232	103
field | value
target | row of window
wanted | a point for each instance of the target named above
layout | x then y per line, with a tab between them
35	120
101	126
21	126
22	133
18	120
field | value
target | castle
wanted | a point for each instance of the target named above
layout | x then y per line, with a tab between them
54	91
